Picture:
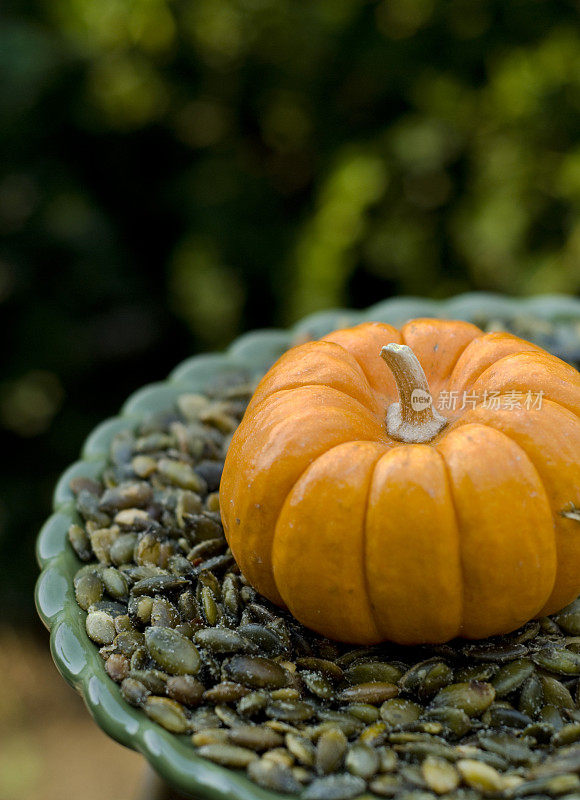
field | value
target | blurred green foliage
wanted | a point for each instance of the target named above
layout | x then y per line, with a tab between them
175	171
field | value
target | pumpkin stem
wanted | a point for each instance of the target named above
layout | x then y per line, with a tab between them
413	419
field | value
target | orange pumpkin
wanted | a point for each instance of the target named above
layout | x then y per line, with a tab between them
373	515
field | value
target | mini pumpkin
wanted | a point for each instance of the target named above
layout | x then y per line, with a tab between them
372	514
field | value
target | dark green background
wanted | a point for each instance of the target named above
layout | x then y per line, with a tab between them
173	173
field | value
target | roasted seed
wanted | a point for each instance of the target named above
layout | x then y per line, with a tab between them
88	589
511	676
255	737
334	787
400	712
479	775
228	755
367	671
222	640
558	660
100	627
185	689
256	672
168	713
134	692
80	541
373	692
172	651
472	697
225	692
273	776
362	760
439	775
330	750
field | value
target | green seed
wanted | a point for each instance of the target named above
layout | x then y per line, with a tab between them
134	692
185	689
255	737
100	627
256	672
367	671
301	748
567	735
479	776
362	760
558	660
172	651
472	697
511	676
334	787
330	750
454	719
374	692
222	640
88	589
228	755
80	541
439	775
116	584
400	712
569	618
274	777
167	713
556	693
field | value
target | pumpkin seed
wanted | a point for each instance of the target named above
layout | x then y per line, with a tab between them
134	692
400	712
172	651
363	711
557	785
439	775
158	583
330	750
290	712
455	720
504	744
373	692
89	589
228	755
362	760
255	737
185	689
168	713
301	748
222	640
567	734
275	777
256	672
367	671
334	787
426	678
511	676
100	627
210	736
558	660
252	704
473	697
556	693
386	786
478	775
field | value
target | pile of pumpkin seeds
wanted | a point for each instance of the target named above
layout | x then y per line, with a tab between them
206	657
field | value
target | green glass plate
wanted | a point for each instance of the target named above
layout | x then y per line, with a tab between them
555	322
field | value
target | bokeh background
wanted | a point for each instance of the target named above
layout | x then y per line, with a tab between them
173	172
